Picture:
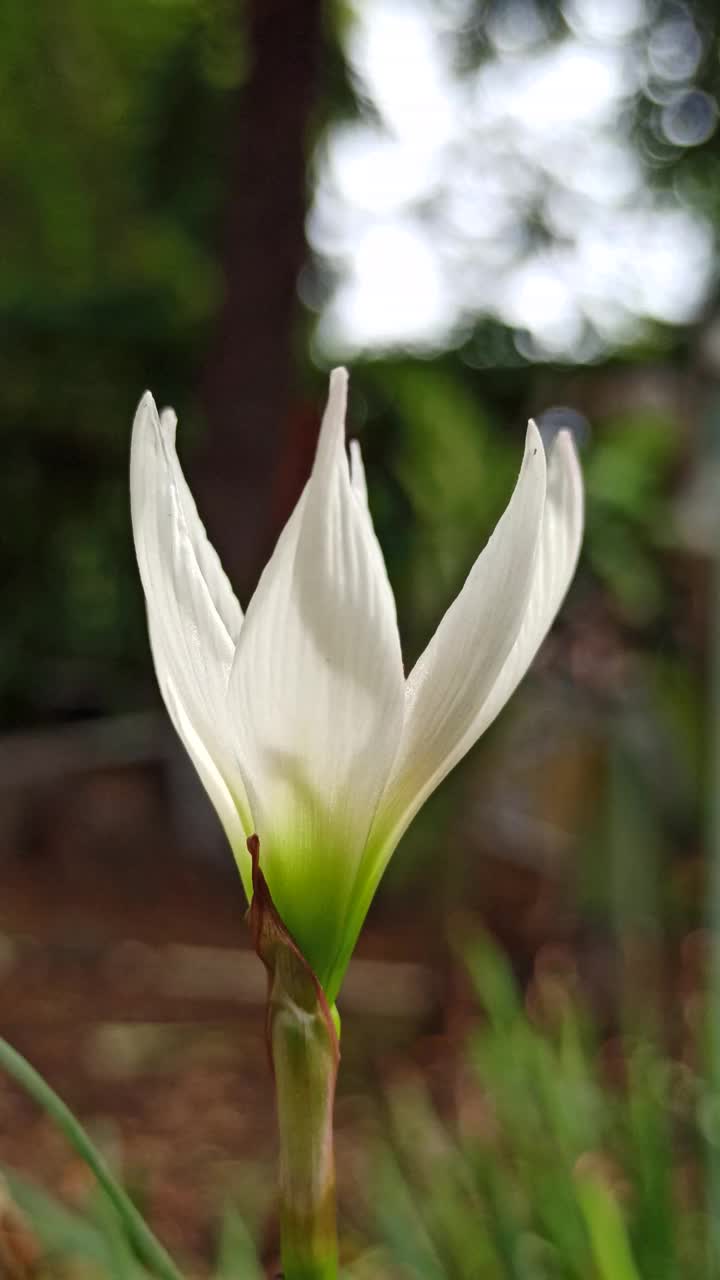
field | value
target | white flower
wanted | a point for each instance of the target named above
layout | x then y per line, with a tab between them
298	717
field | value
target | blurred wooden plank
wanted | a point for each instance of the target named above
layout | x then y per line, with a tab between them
31	758
136	982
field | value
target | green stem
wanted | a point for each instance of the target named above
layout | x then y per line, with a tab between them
302	1034
305	1063
148	1249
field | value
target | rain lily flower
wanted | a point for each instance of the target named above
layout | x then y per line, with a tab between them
298	716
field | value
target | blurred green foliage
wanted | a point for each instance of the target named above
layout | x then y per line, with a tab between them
572	1155
114	148
629	478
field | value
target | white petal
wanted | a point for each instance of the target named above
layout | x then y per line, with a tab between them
192	645
208	560
357	473
456	674
360	493
208	773
317	696
557	558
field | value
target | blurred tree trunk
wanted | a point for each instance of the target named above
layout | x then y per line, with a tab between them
249	375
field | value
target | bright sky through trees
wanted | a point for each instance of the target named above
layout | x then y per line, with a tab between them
515	188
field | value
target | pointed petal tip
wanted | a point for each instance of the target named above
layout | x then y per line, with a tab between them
168	424
565	480
146	403
534	455
145	422
564	456
339	376
357	472
566	444
332	428
533	439
144	427
337	394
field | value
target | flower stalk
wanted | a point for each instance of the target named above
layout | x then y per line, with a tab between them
304	1050
305	1067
